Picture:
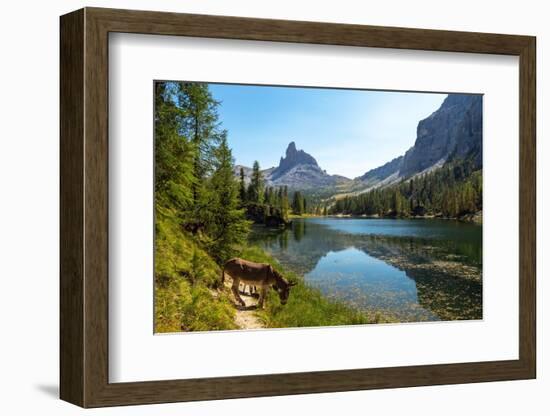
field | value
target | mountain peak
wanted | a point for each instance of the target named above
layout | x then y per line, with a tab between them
293	157
298	170
291	149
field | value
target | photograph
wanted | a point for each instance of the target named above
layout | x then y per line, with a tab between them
286	206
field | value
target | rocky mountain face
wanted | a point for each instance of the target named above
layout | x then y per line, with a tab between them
385	171
453	131
297	170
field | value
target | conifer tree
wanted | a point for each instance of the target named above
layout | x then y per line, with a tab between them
284	203
256	187
199	124
242	187
173	153
298	203
227	227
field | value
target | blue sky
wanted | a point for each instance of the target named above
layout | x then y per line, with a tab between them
347	131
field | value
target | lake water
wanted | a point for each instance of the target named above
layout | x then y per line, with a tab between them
412	270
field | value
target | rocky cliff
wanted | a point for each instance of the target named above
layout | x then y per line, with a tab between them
453	131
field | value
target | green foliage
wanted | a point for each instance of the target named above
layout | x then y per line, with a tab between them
263	205
242	187
298	204
174	154
453	191
227	225
256	187
198	223
306	305
199	122
284	201
179	306
193	120
184	272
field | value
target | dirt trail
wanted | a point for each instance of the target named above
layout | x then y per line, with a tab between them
245	316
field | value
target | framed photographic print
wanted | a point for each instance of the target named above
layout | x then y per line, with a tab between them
256	207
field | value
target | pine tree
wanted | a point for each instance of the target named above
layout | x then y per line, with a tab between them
469	198
298	203
242	187
284	203
201	126
199	123
227	226
173	153
396	202
256	187
271	197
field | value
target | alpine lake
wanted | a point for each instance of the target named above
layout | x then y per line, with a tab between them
411	270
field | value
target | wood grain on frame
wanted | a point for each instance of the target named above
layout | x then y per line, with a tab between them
84	207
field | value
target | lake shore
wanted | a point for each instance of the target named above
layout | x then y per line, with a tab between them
475	218
469	218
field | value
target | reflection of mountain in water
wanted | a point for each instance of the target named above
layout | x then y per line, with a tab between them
447	273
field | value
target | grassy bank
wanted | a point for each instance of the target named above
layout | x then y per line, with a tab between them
186	278
306	306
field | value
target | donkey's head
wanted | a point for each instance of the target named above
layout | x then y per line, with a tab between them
282	286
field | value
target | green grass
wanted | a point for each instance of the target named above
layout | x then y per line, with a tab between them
306	306
186	278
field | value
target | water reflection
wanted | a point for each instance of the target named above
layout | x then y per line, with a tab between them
412	270
299	230
368	283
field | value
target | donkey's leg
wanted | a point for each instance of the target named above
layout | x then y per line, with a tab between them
263	293
235	290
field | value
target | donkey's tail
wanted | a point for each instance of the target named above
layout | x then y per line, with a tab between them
223	273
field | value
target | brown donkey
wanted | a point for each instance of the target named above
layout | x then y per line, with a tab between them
260	275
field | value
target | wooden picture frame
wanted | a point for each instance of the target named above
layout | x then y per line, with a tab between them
84	207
